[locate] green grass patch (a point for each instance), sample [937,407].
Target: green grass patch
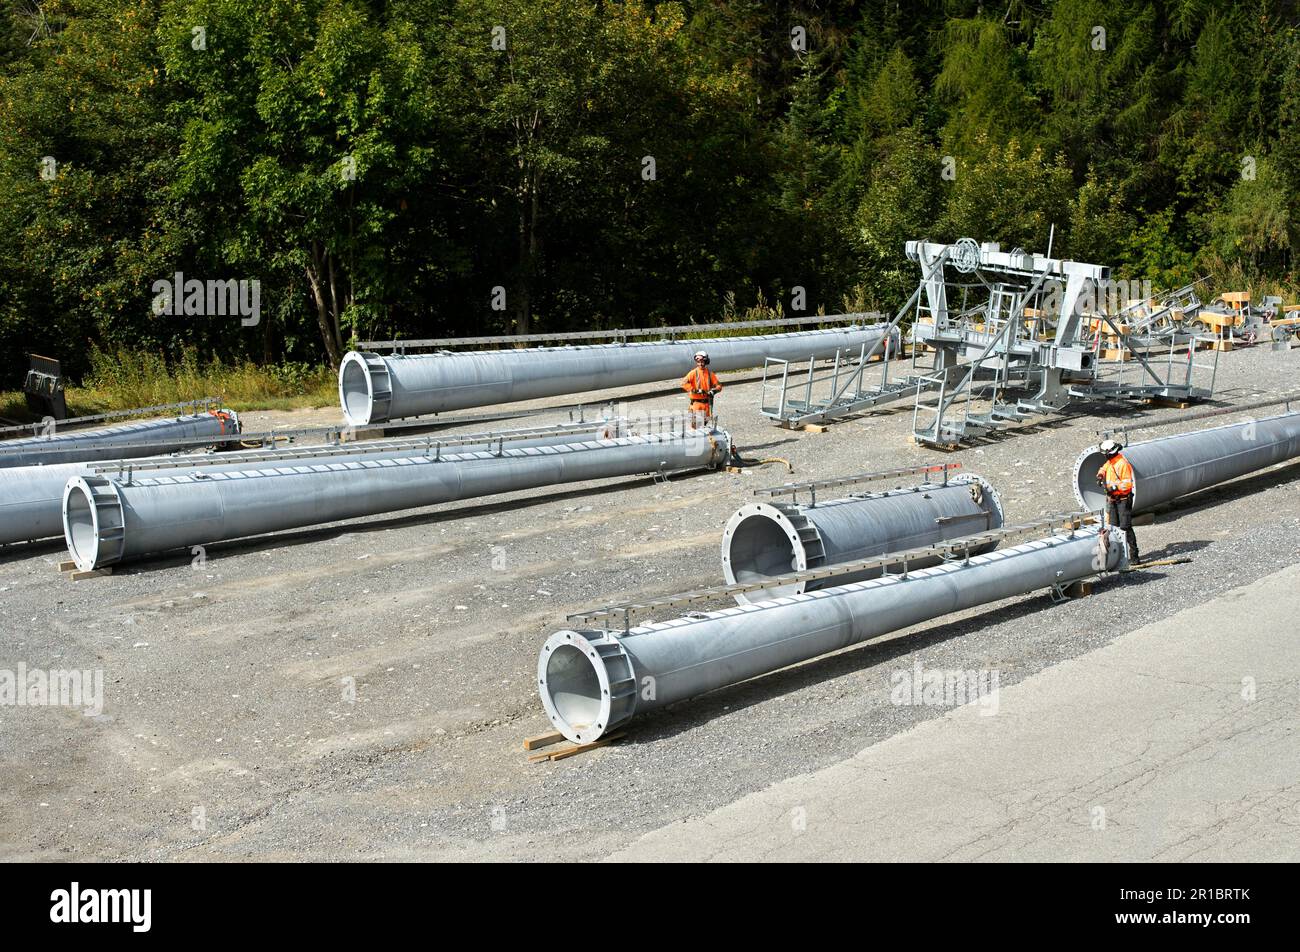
[124,379]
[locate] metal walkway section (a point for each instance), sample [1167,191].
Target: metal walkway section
[855,381]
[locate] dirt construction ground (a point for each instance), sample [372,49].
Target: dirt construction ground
[229,730]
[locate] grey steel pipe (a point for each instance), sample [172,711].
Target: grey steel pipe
[1172,466]
[31,500]
[146,438]
[31,497]
[373,389]
[762,540]
[107,519]
[593,681]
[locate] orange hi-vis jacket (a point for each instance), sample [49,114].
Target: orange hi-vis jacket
[698,383]
[1118,476]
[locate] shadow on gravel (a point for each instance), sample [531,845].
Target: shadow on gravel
[169,560]
[993,437]
[686,715]
[1107,411]
[1245,486]
[17,551]
[1175,549]
[751,447]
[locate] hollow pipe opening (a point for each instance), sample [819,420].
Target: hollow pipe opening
[80,524]
[574,686]
[758,543]
[356,395]
[1091,496]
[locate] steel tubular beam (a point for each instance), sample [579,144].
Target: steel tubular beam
[109,519]
[593,681]
[688,330]
[31,497]
[763,540]
[146,438]
[1172,466]
[373,389]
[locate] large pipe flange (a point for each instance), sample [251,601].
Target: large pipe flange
[587,684]
[93,524]
[1091,497]
[365,388]
[763,539]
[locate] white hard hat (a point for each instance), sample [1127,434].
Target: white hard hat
[1110,447]
[701,353]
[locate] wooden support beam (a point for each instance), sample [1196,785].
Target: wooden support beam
[543,740]
[96,573]
[572,750]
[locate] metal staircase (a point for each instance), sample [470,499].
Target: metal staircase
[848,386]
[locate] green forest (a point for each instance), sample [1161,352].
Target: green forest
[435,168]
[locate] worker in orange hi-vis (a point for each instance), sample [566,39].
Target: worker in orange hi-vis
[702,384]
[1116,477]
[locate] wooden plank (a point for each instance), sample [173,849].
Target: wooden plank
[362,435]
[78,576]
[67,566]
[543,740]
[1145,565]
[574,749]
[815,428]
[583,748]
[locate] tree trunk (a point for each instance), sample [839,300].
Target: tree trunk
[267,350]
[523,305]
[327,317]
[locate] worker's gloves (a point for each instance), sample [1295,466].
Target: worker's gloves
[1101,483]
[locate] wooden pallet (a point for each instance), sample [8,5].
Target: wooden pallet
[361,436]
[570,750]
[69,569]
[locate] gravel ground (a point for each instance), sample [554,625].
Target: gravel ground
[229,730]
